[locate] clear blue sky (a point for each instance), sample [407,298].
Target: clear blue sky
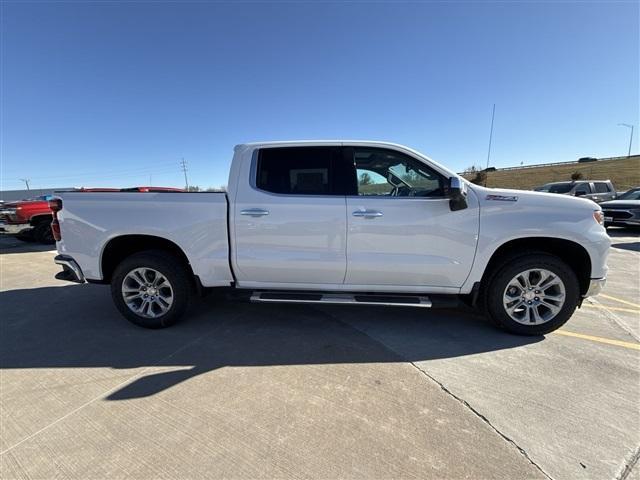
[105,94]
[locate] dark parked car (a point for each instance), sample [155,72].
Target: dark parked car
[596,190]
[624,211]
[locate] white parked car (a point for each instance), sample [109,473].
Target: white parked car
[339,222]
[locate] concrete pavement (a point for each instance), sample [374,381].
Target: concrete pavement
[285,391]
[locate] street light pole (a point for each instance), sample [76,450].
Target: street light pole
[493,114]
[630,137]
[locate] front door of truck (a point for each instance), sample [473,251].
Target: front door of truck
[401,230]
[290,222]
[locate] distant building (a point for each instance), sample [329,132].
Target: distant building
[13,195]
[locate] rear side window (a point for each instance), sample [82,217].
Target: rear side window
[300,171]
[583,188]
[602,187]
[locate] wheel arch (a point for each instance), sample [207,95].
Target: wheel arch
[41,217]
[572,253]
[121,247]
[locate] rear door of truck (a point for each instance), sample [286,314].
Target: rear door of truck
[289,217]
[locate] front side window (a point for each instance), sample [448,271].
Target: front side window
[601,187]
[382,172]
[559,188]
[299,170]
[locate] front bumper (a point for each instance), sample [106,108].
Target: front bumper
[622,223]
[71,270]
[621,217]
[595,287]
[14,228]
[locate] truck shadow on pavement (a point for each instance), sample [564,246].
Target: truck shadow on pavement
[10,245]
[77,326]
[631,246]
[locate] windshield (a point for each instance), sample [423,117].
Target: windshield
[630,195]
[558,188]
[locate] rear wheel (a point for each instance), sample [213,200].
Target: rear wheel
[532,294]
[151,289]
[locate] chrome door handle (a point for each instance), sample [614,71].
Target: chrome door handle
[367,213]
[254,212]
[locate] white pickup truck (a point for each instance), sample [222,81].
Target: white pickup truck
[338,222]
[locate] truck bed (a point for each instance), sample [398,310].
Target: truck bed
[197,222]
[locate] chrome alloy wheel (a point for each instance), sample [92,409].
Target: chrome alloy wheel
[147,292]
[534,297]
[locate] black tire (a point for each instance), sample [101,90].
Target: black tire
[173,270]
[26,236]
[43,233]
[507,270]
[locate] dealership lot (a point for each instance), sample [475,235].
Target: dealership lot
[264,391]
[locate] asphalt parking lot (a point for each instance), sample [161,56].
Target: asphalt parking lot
[289,391]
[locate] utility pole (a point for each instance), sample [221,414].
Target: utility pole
[26,182]
[493,114]
[630,138]
[183,164]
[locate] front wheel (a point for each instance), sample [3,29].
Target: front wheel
[532,294]
[43,233]
[151,289]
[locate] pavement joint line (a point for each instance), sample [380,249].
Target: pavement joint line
[613,318]
[460,400]
[466,404]
[110,390]
[609,341]
[628,466]
[616,299]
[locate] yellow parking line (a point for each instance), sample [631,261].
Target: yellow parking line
[609,341]
[607,307]
[620,300]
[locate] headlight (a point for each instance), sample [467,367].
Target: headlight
[598,216]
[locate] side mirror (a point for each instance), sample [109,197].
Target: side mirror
[580,193]
[457,193]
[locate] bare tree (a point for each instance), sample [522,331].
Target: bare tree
[365,179]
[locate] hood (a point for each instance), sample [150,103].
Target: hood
[531,198]
[621,204]
[26,203]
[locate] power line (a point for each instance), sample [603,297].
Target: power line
[126,171]
[99,177]
[183,164]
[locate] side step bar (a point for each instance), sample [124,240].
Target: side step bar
[343,299]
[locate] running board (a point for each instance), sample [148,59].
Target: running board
[342,299]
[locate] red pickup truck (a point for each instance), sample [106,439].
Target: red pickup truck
[31,219]
[27,218]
